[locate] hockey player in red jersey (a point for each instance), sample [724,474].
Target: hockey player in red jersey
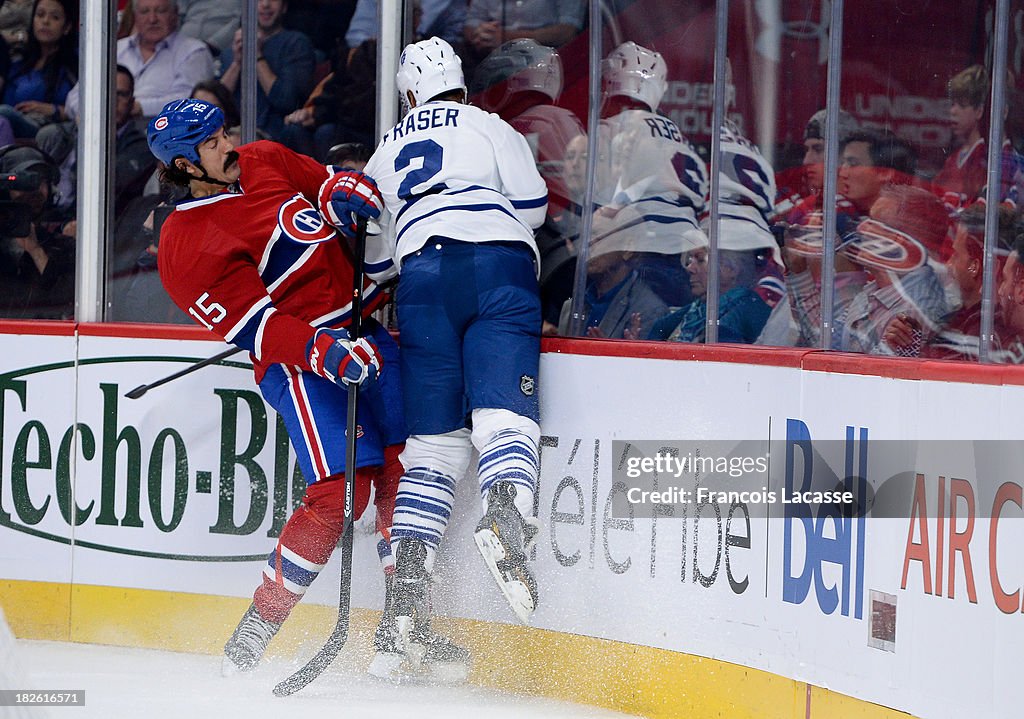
[250,256]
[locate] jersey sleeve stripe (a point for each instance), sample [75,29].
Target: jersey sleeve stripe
[244,331]
[269,251]
[380,271]
[283,260]
[754,220]
[258,342]
[529,204]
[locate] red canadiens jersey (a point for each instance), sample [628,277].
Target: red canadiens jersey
[261,267]
[548,130]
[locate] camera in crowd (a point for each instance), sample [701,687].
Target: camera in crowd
[25,170]
[16,217]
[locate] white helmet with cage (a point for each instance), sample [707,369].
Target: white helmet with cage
[429,68]
[636,72]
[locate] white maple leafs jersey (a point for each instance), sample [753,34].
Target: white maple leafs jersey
[644,157]
[746,180]
[455,171]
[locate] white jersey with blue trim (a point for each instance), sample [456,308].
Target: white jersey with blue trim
[746,177]
[644,157]
[455,171]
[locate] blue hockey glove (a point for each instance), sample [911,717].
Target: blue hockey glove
[334,356]
[348,195]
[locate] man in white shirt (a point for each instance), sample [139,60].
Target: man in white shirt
[166,64]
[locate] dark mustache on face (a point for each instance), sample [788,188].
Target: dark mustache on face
[230,159]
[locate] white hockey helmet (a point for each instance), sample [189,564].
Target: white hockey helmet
[636,72]
[522,65]
[429,68]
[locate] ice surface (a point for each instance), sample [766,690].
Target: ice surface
[125,682]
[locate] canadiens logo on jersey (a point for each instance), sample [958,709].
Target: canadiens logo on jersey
[878,245]
[298,219]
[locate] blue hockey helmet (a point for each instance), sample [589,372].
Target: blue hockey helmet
[180,126]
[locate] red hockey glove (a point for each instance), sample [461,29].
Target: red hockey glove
[334,356]
[348,195]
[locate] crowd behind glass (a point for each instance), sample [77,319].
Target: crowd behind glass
[627,230]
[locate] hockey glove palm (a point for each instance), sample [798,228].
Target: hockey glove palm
[348,195]
[333,355]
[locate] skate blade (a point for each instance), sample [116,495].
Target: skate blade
[400,669]
[516,593]
[229,669]
[411,651]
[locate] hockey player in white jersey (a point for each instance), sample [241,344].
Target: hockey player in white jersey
[647,164]
[463,197]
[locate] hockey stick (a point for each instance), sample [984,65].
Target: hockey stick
[329,652]
[143,388]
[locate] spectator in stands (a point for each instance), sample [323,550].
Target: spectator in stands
[15,24]
[431,18]
[959,336]
[616,298]
[799,192]
[343,109]
[5,60]
[324,22]
[1011,304]
[212,21]
[214,92]
[870,161]
[803,248]
[285,63]
[37,85]
[489,23]
[134,288]
[899,246]
[164,63]
[965,173]
[133,163]
[37,261]
[741,311]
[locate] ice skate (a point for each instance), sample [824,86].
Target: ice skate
[247,644]
[407,649]
[503,538]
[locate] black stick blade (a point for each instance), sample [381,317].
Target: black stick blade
[315,666]
[137,392]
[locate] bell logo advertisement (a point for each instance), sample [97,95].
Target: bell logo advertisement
[830,533]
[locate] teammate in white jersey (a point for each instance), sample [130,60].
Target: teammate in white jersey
[463,197]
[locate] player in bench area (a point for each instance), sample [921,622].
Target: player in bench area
[253,255]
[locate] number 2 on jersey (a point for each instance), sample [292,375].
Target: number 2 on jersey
[432,154]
